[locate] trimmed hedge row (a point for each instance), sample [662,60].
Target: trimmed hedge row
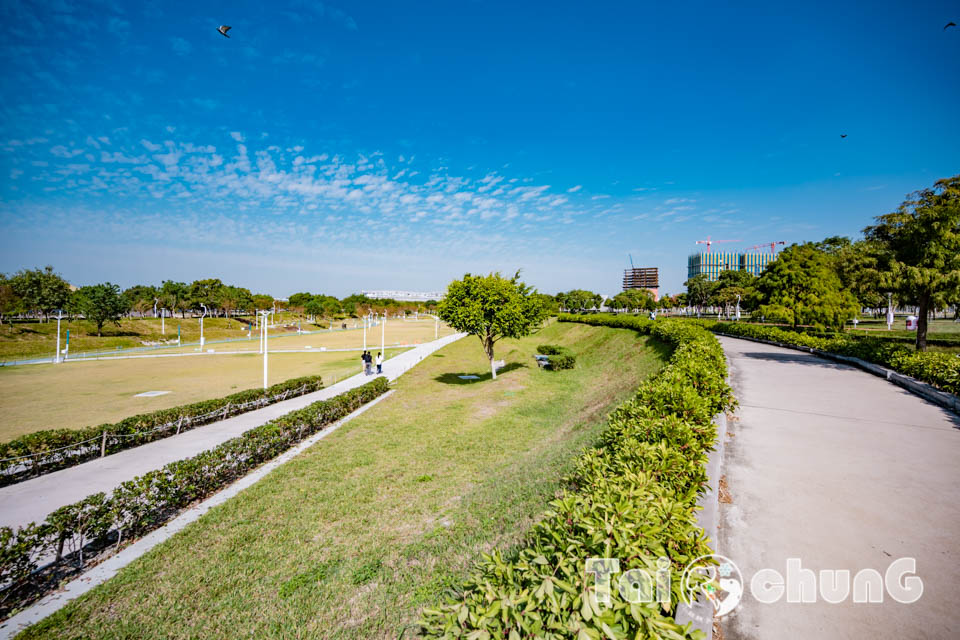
[560,357]
[55,449]
[631,497]
[146,502]
[942,370]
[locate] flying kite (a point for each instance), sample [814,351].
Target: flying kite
[843,135]
[223,30]
[948,25]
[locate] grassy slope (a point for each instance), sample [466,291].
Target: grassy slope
[351,538]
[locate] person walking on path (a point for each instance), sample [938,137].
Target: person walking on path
[379,362]
[363,359]
[368,360]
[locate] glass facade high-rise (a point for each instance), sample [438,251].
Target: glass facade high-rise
[713,263]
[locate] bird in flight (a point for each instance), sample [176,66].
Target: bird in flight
[948,25]
[843,135]
[223,30]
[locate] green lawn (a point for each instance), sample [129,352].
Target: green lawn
[353,537]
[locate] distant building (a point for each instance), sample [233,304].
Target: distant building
[712,263]
[643,278]
[405,296]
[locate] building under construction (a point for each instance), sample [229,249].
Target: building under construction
[712,264]
[642,278]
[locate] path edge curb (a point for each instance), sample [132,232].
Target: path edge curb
[924,390]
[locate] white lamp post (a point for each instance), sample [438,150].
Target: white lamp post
[889,311]
[201,324]
[56,358]
[265,349]
[738,307]
[383,332]
[436,327]
[364,333]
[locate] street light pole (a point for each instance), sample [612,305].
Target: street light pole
[265,352]
[889,311]
[364,333]
[383,333]
[59,317]
[201,324]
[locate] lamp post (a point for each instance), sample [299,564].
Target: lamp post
[59,317]
[163,322]
[201,324]
[738,307]
[889,311]
[436,327]
[364,333]
[263,332]
[383,332]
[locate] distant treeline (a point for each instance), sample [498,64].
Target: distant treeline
[42,292]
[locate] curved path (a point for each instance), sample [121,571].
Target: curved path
[33,500]
[843,470]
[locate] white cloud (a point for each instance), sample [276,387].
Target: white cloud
[575,189]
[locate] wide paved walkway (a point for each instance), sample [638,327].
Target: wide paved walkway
[843,470]
[33,500]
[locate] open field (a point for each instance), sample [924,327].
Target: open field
[80,394]
[23,340]
[353,537]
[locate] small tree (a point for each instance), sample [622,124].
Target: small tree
[42,290]
[919,246]
[492,308]
[699,291]
[102,303]
[9,301]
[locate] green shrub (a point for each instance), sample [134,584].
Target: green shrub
[142,504]
[632,497]
[55,449]
[942,370]
[560,357]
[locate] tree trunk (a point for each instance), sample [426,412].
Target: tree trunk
[488,349]
[922,313]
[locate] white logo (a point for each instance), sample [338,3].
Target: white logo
[718,579]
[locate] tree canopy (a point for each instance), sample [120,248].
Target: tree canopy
[918,249]
[102,303]
[800,287]
[491,307]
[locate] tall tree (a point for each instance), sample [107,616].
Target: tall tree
[42,290]
[581,300]
[141,298]
[492,308]
[175,296]
[800,287]
[205,292]
[919,249]
[102,303]
[699,291]
[9,300]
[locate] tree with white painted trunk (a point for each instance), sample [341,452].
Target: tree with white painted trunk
[491,307]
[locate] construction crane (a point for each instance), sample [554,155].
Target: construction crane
[709,242]
[631,261]
[772,245]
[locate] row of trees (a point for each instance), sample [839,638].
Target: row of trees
[912,255]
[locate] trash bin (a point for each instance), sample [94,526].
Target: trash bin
[911,323]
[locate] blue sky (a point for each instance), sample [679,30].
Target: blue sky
[378,145]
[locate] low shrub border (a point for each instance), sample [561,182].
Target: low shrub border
[560,357]
[942,370]
[41,452]
[631,497]
[146,502]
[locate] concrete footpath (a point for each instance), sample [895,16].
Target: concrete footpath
[33,500]
[844,471]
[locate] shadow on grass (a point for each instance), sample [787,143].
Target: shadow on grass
[454,378]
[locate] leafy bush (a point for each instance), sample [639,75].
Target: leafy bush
[560,357]
[632,497]
[146,502]
[55,449]
[942,370]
